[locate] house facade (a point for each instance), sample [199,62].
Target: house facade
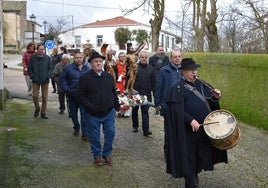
[102,32]
[14,24]
[17,30]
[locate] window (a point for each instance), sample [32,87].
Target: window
[162,39]
[173,43]
[78,41]
[99,40]
[167,42]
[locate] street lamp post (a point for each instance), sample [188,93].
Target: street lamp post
[45,26]
[33,18]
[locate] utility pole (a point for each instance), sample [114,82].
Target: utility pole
[2,88]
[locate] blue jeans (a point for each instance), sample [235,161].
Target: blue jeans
[144,116]
[73,105]
[93,125]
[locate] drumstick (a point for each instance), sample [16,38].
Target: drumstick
[208,123]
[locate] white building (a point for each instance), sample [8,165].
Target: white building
[102,32]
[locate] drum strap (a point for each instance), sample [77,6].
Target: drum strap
[198,94]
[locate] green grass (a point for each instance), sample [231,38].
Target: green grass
[242,78]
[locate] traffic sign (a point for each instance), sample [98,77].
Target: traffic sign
[49,44]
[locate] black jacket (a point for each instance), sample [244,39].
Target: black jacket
[157,62]
[40,69]
[97,94]
[145,81]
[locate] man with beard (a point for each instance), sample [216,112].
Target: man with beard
[158,60]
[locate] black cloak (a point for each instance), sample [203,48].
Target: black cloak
[177,154]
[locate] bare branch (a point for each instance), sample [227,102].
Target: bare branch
[131,10]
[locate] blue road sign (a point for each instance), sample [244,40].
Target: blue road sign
[49,44]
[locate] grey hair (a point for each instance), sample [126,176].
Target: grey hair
[65,56]
[143,52]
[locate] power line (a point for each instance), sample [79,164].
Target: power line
[89,6]
[76,5]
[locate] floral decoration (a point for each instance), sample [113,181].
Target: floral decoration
[126,101]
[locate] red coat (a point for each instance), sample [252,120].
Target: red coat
[25,61]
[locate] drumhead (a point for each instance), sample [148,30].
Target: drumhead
[219,124]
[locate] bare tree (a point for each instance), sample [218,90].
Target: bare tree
[198,22]
[185,8]
[260,15]
[254,13]
[158,8]
[231,33]
[55,30]
[156,22]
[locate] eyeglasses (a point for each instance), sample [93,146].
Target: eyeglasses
[144,57]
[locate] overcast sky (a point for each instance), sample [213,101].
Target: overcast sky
[78,12]
[87,11]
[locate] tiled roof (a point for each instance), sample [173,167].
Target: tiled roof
[117,21]
[12,6]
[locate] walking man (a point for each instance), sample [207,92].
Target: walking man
[69,79]
[40,71]
[97,95]
[167,76]
[56,76]
[145,85]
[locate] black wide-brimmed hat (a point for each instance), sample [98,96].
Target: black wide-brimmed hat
[95,55]
[189,64]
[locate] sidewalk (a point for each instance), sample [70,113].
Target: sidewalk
[43,153]
[14,80]
[12,61]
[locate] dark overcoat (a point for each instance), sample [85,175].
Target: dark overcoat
[180,161]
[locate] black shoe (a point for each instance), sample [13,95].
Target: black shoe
[44,116]
[36,113]
[84,136]
[69,115]
[76,132]
[147,133]
[135,130]
[61,112]
[54,91]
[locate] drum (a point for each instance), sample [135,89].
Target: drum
[222,130]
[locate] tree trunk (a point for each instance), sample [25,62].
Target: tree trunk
[211,28]
[199,20]
[159,8]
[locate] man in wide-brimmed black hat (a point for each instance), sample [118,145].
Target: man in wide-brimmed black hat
[97,95]
[189,150]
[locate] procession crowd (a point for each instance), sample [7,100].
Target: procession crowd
[89,87]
